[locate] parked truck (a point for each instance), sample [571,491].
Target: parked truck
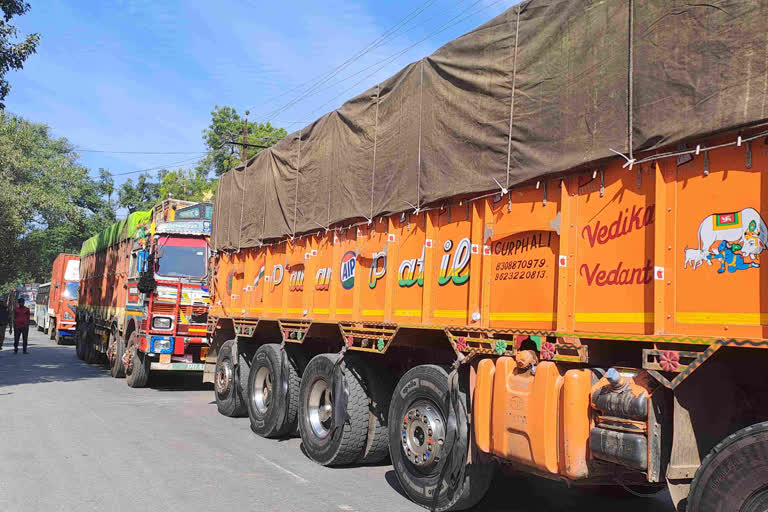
[542,247]
[143,304]
[56,302]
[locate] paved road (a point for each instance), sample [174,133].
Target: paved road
[74,439]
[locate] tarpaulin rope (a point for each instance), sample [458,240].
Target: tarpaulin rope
[296,195]
[512,102]
[242,207]
[630,81]
[421,98]
[264,217]
[375,141]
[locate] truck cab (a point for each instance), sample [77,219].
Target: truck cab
[167,301]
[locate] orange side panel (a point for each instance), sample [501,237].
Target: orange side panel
[482,404]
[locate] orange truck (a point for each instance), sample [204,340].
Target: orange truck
[143,304]
[56,308]
[540,248]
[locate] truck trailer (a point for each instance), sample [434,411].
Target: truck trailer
[56,307]
[541,248]
[143,304]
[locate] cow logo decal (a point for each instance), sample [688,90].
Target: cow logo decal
[348,263]
[733,240]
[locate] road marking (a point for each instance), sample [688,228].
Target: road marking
[281,468]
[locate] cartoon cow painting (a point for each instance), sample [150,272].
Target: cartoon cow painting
[735,239]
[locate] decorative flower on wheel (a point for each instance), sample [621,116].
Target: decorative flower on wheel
[669,361]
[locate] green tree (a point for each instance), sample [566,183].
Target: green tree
[13,53]
[138,196]
[227,126]
[186,185]
[50,204]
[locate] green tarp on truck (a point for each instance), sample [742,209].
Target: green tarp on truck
[115,233]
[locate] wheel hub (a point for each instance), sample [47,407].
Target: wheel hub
[423,434]
[262,389]
[223,377]
[320,407]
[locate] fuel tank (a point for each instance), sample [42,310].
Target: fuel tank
[537,416]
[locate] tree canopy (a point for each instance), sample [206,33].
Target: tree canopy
[13,52]
[226,127]
[50,204]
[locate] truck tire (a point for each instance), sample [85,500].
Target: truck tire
[137,367]
[51,328]
[273,413]
[91,354]
[323,442]
[416,415]
[226,384]
[734,475]
[115,353]
[378,388]
[80,343]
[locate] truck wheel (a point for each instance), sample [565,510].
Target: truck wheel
[734,475]
[137,364]
[417,429]
[378,388]
[115,353]
[52,328]
[324,442]
[273,412]
[79,343]
[91,354]
[226,384]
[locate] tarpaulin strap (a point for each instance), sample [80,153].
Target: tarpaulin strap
[375,141]
[630,79]
[242,207]
[421,97]
[296,195]
[512,101]
[454,464]
[229,217]
[264,217]
[340,392]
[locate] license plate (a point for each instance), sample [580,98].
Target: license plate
[203,353]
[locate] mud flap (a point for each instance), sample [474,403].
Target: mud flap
[455,462]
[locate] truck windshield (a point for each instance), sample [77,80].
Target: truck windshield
[183,260]
[70,292]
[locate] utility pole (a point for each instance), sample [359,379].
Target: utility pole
[245,137]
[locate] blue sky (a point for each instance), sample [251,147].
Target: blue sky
[143,75]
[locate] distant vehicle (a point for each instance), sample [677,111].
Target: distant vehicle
[58,320]
[41,306]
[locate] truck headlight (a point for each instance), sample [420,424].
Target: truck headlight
[162,345]
[68,316]
[161,322]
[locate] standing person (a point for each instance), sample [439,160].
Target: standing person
[3,322]
[20,326]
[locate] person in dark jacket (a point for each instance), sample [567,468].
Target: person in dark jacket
[20,326]
[3,322]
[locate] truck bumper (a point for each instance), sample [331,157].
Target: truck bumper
[179,367]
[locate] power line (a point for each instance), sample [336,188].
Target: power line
[78,150]
[386,61]
[360,53]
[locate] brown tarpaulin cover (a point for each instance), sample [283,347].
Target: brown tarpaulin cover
[545,87]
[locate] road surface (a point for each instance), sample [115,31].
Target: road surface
[74,439]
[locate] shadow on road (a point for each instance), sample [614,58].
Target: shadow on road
[178,381]
[44,364]
[510,493]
